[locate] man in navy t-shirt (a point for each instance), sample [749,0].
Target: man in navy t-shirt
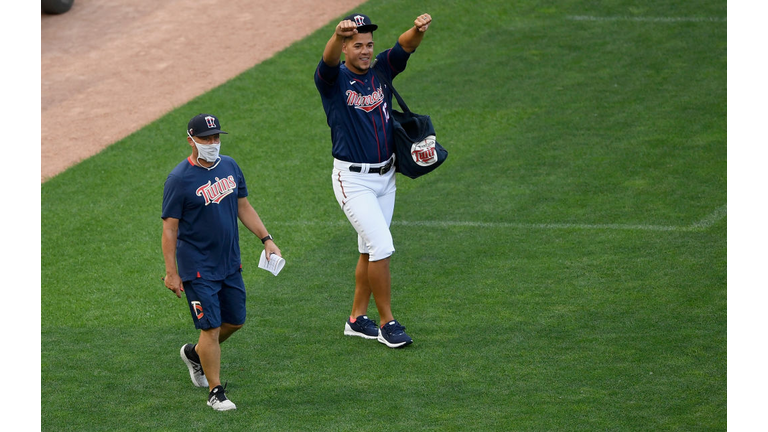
[202,200]
[358,108]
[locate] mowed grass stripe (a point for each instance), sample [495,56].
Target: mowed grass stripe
[647,19]
[701,225]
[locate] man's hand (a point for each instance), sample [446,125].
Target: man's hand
[422,22]
[173,283]
[346,28]
[271,248]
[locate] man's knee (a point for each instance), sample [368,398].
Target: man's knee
[211,333]
[381,253]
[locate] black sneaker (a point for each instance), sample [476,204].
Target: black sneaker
[362,327]
[392,334]
[195,368]
[218,400]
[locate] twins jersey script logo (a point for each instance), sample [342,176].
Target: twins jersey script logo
[366,103]
[215,192]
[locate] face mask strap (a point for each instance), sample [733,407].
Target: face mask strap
[218,159]
[193,139]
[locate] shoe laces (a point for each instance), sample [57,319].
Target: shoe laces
[220,395]
[395,329]
[364,322]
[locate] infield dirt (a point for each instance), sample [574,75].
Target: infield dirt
[110,67]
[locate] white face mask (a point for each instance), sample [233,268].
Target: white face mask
[207,152]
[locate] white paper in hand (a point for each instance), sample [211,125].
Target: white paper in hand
[274,265]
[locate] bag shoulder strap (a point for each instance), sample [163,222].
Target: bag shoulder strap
[383,79]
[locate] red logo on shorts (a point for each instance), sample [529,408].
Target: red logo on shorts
[198,309]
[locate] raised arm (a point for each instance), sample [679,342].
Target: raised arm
[412,37]
[332,52]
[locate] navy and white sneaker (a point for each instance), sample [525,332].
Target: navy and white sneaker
[196,373]
[362,327]
[392,334]
[218,400]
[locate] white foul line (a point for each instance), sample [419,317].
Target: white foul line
[711,219]
[647,19]
[701,225]
[447,224]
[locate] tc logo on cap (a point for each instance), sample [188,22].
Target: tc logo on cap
[362,22]
[359,20]
[204,125]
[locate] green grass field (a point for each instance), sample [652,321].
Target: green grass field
[565,269]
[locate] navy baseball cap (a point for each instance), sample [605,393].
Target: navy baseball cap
[364,24]
[204,125]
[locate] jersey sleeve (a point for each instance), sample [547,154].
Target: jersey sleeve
[242,189]
[326,76]
[173,199]
[396,58]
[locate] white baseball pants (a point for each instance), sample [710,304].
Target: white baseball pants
[368,200]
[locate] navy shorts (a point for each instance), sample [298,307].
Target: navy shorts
[214,302]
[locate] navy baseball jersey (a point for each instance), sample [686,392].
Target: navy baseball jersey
[358,107]
[205,203]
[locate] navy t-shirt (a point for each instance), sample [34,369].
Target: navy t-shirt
[205,203]
[358,107]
